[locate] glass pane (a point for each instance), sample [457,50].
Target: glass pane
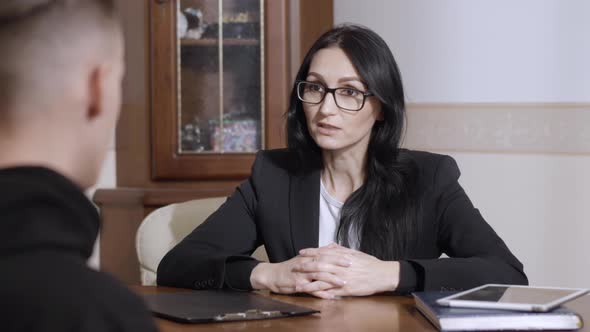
[221,91]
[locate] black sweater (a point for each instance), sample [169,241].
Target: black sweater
[48,228]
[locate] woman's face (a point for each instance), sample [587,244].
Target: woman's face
[333,128]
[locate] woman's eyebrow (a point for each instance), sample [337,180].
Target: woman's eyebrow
[311,73]
[350,79]
[340,80]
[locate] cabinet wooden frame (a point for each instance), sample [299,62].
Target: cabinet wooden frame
[167,163]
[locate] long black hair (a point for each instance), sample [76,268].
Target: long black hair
[383,212]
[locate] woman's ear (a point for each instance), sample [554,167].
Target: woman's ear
[380,116]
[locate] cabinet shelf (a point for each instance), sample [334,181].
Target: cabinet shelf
[215,42]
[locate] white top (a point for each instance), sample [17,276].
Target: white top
[330,219]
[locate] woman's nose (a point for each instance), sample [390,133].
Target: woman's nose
[328,105]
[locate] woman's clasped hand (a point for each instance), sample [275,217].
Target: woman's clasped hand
[328,272]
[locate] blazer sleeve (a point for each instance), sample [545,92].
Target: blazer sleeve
[217,253]
[477,255]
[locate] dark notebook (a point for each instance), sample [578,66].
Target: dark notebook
[219,306]
[463,319]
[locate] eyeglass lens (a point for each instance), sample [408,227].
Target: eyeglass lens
[346,98]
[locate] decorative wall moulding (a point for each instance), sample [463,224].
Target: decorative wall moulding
[500,128]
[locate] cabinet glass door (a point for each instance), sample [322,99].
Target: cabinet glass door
[220,77]
[219,82]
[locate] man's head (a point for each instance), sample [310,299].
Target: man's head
[61,66]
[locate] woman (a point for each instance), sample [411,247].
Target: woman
[344,179]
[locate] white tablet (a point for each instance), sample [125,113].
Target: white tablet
[512,297]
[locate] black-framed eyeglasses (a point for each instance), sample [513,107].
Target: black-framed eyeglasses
[349,99]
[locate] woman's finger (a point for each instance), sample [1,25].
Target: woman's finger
[344,257]
[326,295]
[338,260]
[287,290]
[315,286]
[308,252]
[329,278]
[340,292]
[326,250]
[327,263]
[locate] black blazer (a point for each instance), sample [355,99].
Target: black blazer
[278,207]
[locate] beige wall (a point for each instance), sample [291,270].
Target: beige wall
[504,87]
[107,179]
[538,203]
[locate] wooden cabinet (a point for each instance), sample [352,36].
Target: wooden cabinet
[216,97]
[199,99]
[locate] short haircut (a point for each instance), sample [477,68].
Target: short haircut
[43,42]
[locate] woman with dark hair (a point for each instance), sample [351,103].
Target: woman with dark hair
[344,211]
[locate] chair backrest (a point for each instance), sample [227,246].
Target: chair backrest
[165,227]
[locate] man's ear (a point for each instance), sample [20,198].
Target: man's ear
[94,94]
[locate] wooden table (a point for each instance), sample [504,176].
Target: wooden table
[373,313]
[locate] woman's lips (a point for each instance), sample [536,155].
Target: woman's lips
[327,129]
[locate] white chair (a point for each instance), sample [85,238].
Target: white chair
[162,229]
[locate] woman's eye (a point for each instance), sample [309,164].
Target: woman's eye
[316,88]
[349,92]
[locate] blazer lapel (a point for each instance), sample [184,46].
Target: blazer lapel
[304,210]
